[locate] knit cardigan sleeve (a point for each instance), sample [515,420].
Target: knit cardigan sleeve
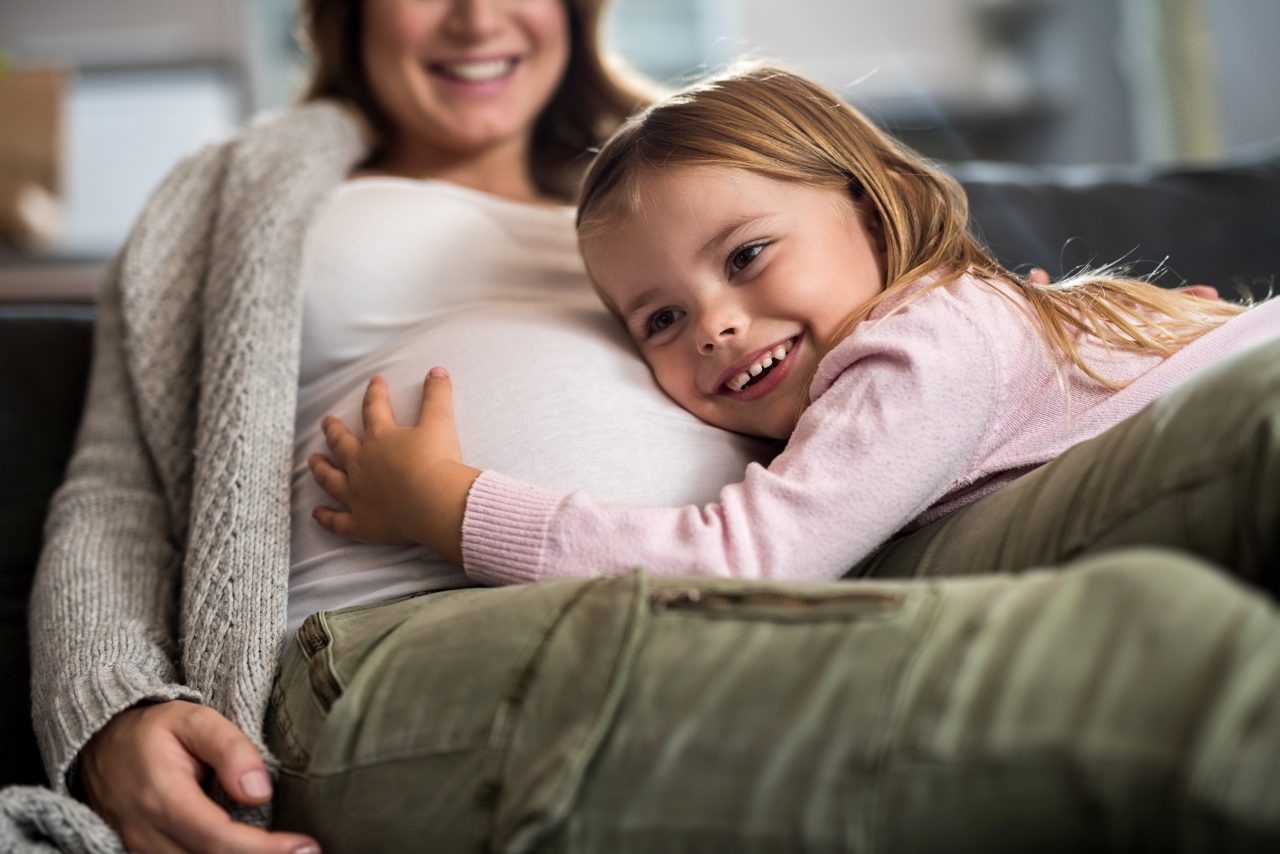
[104,600]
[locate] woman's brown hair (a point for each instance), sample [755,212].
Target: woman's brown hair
[778,124]
[596,94]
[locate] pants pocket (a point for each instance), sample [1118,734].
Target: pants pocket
[314,639]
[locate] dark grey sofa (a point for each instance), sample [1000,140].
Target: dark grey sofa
[1218,226]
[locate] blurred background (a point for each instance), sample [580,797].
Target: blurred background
[99,98]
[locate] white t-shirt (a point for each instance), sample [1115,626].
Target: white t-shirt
[400,275]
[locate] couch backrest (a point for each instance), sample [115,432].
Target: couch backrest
[1217,226]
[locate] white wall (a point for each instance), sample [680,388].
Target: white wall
[1247,35]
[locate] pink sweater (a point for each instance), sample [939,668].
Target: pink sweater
[916,413]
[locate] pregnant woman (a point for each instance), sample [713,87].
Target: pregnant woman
[412,212]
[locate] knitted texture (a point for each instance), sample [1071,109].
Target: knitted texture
[35,819]
[166,564]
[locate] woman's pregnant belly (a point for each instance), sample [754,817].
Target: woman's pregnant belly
[552,394]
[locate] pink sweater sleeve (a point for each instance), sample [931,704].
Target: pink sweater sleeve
[909,402]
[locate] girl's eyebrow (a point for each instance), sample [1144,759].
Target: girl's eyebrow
[733,225]
[640,302]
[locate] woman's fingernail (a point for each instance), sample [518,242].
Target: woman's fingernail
[256,784]
[439,373]
[306,848]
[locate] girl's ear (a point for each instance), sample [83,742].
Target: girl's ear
[871,223]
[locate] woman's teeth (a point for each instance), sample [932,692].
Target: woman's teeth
[476,72]
[757,369]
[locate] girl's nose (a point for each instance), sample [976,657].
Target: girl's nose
[714,334]
[711,342]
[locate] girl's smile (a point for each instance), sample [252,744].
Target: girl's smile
[760,373]
[732,283]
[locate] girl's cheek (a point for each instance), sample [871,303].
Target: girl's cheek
[668,377]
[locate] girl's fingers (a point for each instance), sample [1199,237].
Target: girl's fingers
[341,441]
[332,479]
[437,397]
[335,521]
[376,409]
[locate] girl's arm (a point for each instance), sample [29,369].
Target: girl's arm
[889,439]
[903,420]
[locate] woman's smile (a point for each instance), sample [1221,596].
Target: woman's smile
[462,82]
[476,70]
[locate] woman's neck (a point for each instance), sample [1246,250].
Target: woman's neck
[500,171]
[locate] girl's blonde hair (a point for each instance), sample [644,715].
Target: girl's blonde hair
[595,95]
[778,124]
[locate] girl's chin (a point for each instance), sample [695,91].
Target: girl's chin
[762,423]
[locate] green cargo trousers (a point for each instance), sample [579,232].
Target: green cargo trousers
[1128,702]
[1126,698]
[1198,471]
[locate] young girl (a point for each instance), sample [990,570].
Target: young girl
[789,271]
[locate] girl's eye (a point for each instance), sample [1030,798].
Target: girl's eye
[743,257]
[662,319]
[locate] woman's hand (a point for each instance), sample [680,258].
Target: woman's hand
[401,484]
[142,774]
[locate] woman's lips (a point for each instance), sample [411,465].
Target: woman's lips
[475,75]
[767,381]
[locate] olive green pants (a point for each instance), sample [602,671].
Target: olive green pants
[1129,702]
[1126,700]
[1197,471]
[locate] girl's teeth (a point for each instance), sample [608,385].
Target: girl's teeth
[776,355]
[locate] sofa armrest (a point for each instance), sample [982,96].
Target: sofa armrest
[44,363]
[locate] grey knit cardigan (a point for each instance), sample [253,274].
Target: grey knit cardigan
[166,566]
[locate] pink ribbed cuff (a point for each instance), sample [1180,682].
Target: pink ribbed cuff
[505,529]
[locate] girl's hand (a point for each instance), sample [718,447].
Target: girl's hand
[400,484]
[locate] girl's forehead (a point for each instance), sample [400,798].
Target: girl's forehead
[682,201]
[659,196]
